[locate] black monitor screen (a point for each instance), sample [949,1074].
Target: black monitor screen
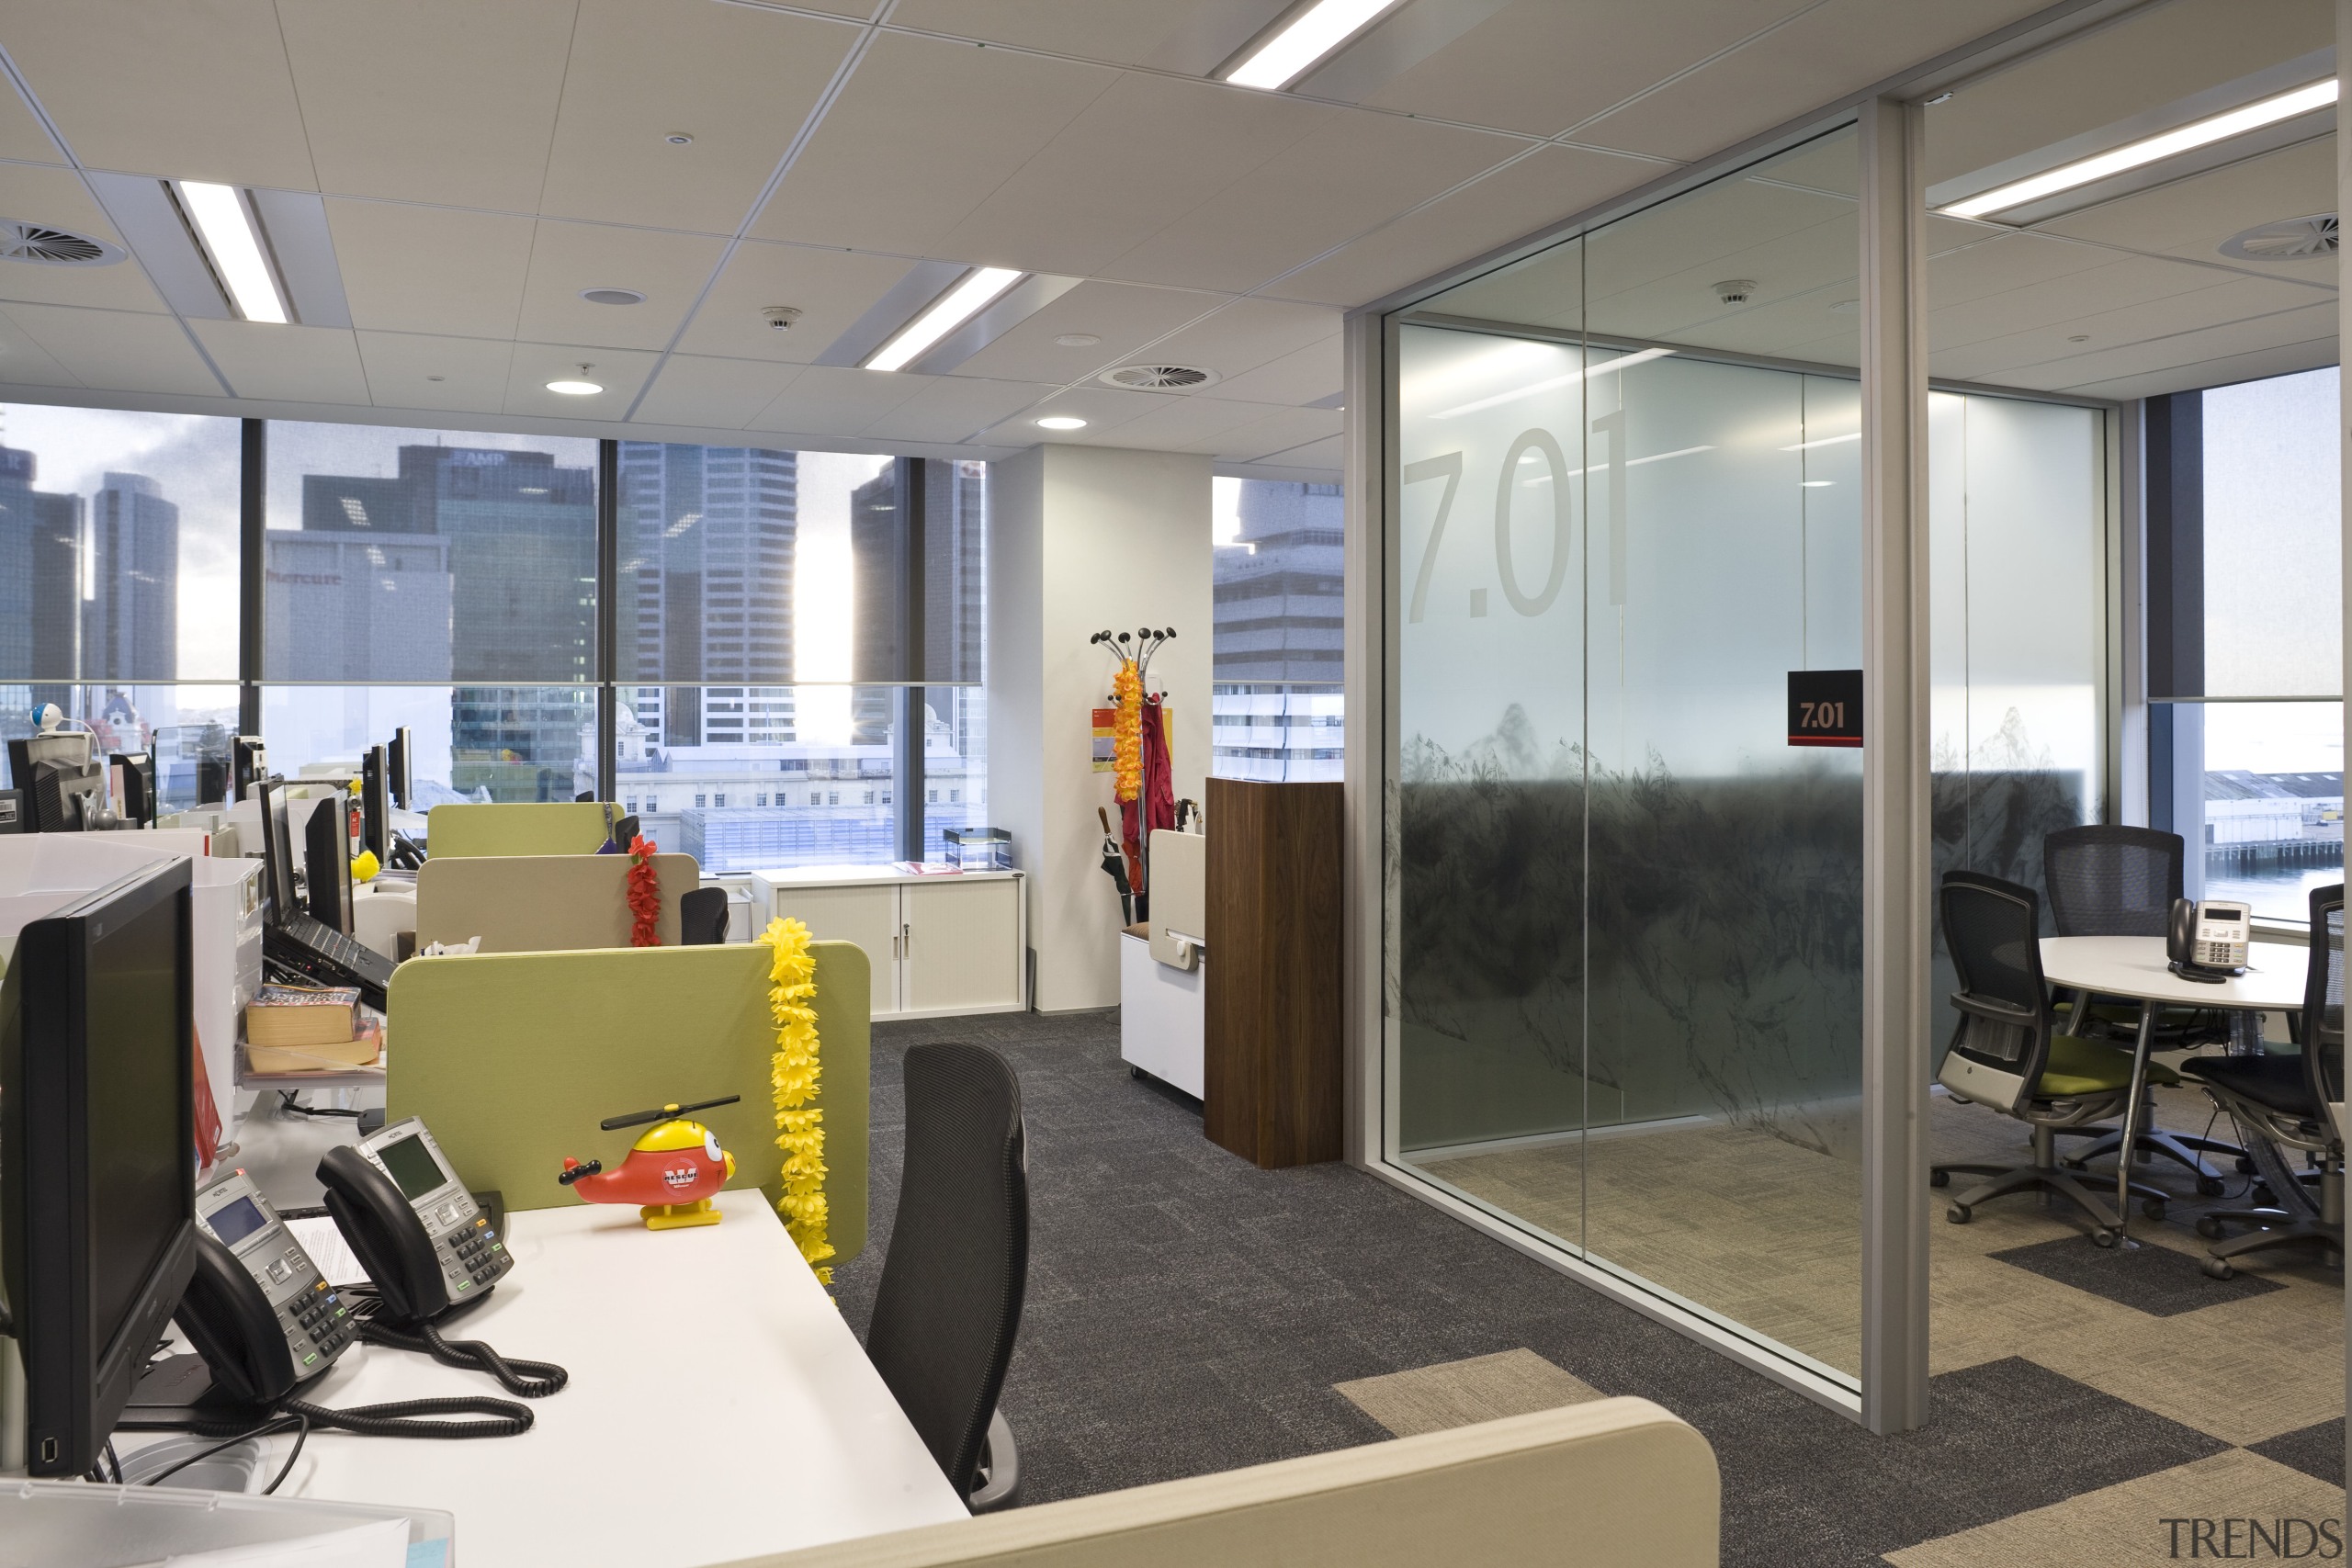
[235,1222]
[142,1167]
[278,856]
[412,1167]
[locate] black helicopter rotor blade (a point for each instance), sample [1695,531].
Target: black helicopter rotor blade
[639,1118]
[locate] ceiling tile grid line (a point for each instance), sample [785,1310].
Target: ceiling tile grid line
[800,143]
[1694,68]
[546,169]
[2003,230]
[25,91]
[286,58]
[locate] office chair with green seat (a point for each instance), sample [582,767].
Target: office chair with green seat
[2284,1097]
[2006,1053]
[2106,880]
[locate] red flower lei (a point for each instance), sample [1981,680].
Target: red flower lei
[644,894]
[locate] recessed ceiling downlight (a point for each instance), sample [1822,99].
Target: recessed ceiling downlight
[46,246]
[1159,378]
[2289,239]
[1061,421]
[612,296]
[579,387]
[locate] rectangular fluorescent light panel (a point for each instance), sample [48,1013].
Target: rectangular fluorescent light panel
[1312,34]
[222,223]
[950,311]
[1606,367]
[2132,156]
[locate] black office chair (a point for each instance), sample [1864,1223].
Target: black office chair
[949,1302]
[702,918]
[2284,1097]
[2115,881]
[2007,1055]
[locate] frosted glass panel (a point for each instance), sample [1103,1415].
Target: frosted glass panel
[2274,623]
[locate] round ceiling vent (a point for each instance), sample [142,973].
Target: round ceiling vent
[45,246]
[612,296]
[2289,239]
[1161,378]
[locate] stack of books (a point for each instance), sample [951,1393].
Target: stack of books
[300,1029]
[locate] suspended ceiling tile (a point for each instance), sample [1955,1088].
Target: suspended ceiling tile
[431,269]
[1546,185]
[25,363]
[2156,56]
[1824,50]
[737,79]
[1184,423]
[1992,268]
[1303,376]
[58,196]
[287,364]
[2212,356]
[195,92]
[1193,36]
[620,371]
[1322,460]
[446,101]
[1246,335]
[417,370]
[2139,334]
[724,394]
[2191,218]
[1275,431]
[1146,152]
[825,399]
[117,350]
[1106,409]
[832,288]
[1352,174]
[2259,364]
[953,408]
[668,268]
[2075,300]
[22,139]
[1125,316]
[950,123]
[1539,66]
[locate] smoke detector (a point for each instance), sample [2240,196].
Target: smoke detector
[1734,291]
[2289,239]
[1159,378]
[45,246]
[780,318]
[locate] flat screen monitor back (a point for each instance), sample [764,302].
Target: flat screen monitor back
[69,746]
[401,756]
[248,764]
[375,806]
[68,797]
[98,1139]
[326,860]
[281,902]
[136,786]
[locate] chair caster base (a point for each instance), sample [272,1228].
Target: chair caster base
[2210,1186]
[1939,1178]
[2217,1269]
[1959,1213]
[2102,1236]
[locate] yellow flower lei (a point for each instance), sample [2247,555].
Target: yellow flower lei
[1126,732]
[800,1132]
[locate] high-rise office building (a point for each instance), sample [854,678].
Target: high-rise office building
[130,621]
[707,537]
[357,608]
[1278,658]
[40,579]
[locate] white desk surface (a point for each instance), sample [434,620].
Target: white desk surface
[719,1407]
[2135,966]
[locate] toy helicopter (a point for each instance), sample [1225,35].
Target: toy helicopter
[670,1172]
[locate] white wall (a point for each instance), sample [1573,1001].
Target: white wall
[1082,538]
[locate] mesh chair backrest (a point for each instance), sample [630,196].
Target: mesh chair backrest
[2324,997]
[2109,881]
[949,1302]
[702,918]
[1992,930]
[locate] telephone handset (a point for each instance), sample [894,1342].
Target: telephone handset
[257,1310]
[2207,942]
[423,1239]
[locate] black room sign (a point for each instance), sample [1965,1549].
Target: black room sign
[1825,707]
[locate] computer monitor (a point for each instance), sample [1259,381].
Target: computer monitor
[402,757]
[280,899]
[326,861]
[71,747]
[68,797]
[248,764]
[134,780]
[375,803]
[212,782]
[97,1153]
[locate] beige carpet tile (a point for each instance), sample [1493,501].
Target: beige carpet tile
[1463,1393]
[2217,1502]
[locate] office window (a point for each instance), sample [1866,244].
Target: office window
[699,800]
[184,729]
[1276,703]
[473,743]
[2271,770]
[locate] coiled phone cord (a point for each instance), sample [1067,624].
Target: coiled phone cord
[528,1379]
[400,1419]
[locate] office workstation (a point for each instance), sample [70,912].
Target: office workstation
[1391,781]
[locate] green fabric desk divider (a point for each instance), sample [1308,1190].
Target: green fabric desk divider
[543,903]
[512,1059]
[521,828]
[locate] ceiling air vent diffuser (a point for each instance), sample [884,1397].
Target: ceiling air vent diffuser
[45,246]
[1159,378]
[2289,239]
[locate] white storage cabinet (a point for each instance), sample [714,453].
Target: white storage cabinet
[939,946]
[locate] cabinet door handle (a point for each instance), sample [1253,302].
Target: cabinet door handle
[906,939]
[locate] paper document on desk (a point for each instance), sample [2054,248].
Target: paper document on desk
[383,1544]
[337,1264]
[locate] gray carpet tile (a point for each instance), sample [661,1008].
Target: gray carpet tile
[1189,1313]
[2317,1451]
[2158,1281]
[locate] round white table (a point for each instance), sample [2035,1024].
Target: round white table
[2135,966]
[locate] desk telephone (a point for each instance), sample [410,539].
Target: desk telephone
[2207,942]
[425,1242]
[257,1310]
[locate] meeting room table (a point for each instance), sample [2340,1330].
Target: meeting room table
[2136,967]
